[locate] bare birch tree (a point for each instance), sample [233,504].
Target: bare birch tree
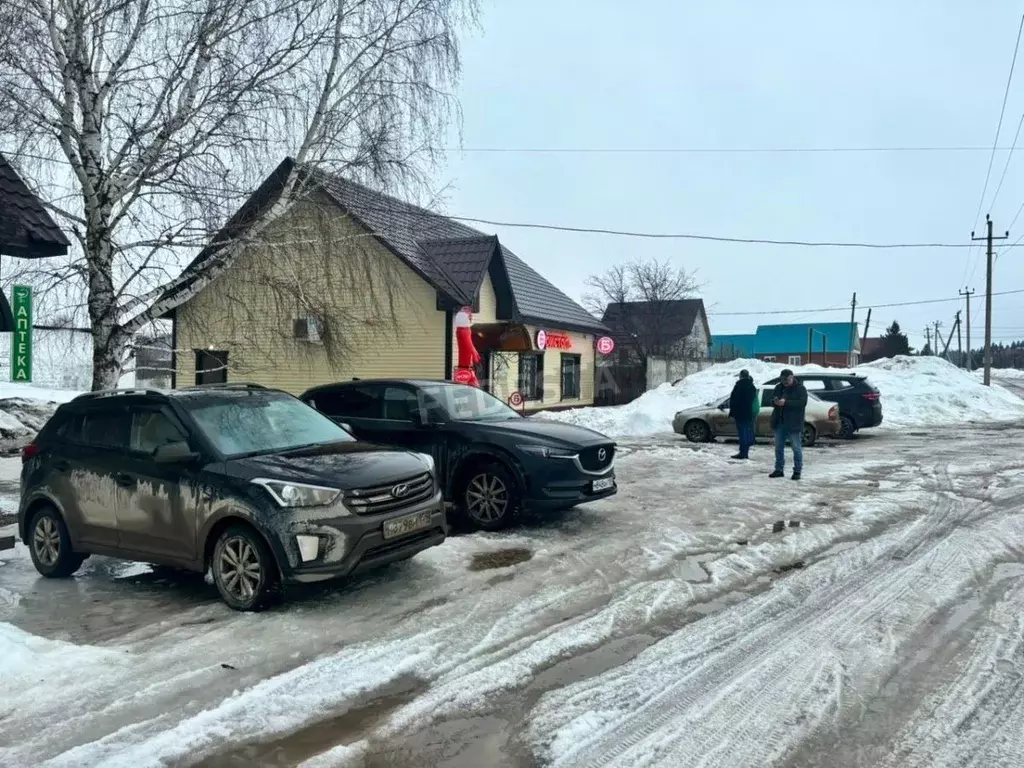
[645,293]
[161,116]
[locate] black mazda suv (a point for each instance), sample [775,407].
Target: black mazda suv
[248,482]
[492,462]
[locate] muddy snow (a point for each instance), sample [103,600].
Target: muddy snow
[677,623]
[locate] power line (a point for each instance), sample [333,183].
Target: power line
[847,308]
[691,236]
[995,144]
[708,150]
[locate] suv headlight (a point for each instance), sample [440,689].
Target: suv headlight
[547,453]
[298,494]
[428,460]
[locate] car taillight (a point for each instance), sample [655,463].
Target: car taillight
[28,452]
[871,395]
[833,413]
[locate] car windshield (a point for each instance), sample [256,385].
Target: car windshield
[254,422]
[464,403]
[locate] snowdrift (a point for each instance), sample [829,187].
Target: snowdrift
[24,409]
[916,392]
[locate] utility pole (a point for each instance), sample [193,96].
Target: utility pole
[853,331]
[928,336]
[970,353]
[949,339]
[938,338]
[987,381]
[959,342]
[864,338]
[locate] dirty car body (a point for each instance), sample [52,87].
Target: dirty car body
[245,480]
[706,422]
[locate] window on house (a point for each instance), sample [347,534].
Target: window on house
[571,365]
[211,367]
[769,358]
[794,359]
[307,328]
[531,376]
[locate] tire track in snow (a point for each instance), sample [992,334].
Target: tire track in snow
[977,718]
[720,698]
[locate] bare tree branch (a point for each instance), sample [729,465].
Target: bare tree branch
[162,116]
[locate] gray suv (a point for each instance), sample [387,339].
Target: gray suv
[248,482]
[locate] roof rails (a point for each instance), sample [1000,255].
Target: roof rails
[117,392]
[226,385]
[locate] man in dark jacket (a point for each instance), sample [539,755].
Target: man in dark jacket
[744,403]
[790,401]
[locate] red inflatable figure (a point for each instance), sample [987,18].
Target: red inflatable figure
[465,372]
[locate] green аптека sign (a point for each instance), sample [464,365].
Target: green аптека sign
[21,339]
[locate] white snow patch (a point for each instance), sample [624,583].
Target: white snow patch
[273,707]
[30,663]
[342,756]
[916,392]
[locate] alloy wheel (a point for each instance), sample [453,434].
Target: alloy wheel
[46,541]
[486,498]
[240,569]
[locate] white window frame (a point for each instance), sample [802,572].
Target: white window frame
[795,360]
[769,358]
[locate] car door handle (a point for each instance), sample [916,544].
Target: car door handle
[125,481]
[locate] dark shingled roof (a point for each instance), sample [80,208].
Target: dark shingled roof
[465,260]
[450,256]
[675,319]
[26,229]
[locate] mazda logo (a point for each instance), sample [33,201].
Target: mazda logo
[601,454]
[400,490]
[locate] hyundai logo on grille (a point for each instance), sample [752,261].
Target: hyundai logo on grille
[400,490]
[601,454]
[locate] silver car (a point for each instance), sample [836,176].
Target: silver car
[706,422]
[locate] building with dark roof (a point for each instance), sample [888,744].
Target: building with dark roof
[27,230]
[533,338]
[675,329]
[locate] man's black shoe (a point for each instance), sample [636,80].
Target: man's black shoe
[796,475]
[777,473]
[740,456]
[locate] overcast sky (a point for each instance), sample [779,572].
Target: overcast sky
[729,74]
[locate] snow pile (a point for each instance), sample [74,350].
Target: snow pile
[24,409]
[916,392]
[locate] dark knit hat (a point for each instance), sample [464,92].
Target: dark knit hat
[786,373]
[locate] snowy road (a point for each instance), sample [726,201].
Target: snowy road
[667,626]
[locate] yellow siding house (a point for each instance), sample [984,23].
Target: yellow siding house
[350,283]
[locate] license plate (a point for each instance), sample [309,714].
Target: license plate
[603,484]
[400,526]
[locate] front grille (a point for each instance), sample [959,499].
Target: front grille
[593,460]
[390,497]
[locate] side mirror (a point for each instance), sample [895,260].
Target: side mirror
[174,453]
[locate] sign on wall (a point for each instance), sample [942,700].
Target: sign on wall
[21,339]
[553,340]
[606,345]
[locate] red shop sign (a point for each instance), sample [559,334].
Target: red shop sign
[553,340]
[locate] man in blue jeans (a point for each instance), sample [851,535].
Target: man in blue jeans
[790,401]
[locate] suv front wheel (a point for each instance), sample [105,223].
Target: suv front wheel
[50,545]
[490,497]
[244,569]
